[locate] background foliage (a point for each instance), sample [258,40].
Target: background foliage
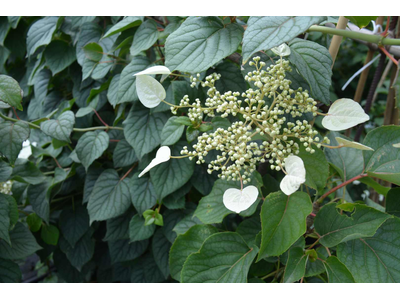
[77,210]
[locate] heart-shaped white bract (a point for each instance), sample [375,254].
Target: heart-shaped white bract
[154,71]
[239,200]
[344,114]
[163,154]
[296,175]
[346,143]
[150,91]
[282,50]
[396,145]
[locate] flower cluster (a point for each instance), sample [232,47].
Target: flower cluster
[273,125]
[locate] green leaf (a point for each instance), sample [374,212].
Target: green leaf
[89,32]
[74,223]
[223,257]
[348,162]
[384,162]
[91,146]
[335,228]
[23,244]
[295,266]
[283,221]
[60,128]
[14,20]
[183,120]
[249,229]
[93,52]
[173,174]
[124,24]
[337,271]
[142,130]
[361,21]
[211,208]
[161,246]
[186,244]
[123,250]
[50,234]
[112,92]
[172,132]
[78,21]
[81,253]
[118,228]
[142,193]
[317,167]
[11,137]
[264,33]
[374,259]
[145,270]
[10,91]
[138,231]
[9,272]
[200,42]
[393,202]
[231,78]
[4,219]
[41,85]
[124,155]
[5,171]
[41,33]
[313,62]
[145,36]
[39,198]
[110,197]
[27,172]
[34,222]
[126,85]
[59,55]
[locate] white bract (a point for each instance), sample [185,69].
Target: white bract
[239,200]
[344,114]
[346,143]
[154,70]
[163,154]
[150,91]
[282,50]
[296,175]
[396,145]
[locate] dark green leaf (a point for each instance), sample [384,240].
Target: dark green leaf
[11,137]
[123,250]
[124,24]
[59,55]
[74,223]
[40,33]
[144,37]
[295,266]
[124,155]
[93,52]
[91,146]
[34,222]
[60,128]
[10,91]
[393,202]
[171,132]
[161,246]
[50,234]
[9,272]
[337,272]
[138,231]
[142,193]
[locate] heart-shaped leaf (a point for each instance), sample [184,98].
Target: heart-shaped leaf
[344,114]
[296,175]
[61,128]
[163,154]
[238,200]
[150,91]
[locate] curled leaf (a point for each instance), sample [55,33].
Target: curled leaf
[346,143]
[344,114]
[154,70]
[239,200]
[163,154]
[296,175]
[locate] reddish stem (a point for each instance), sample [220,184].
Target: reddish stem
[312,214]
[116,141]
[340,186]
[101,120]
[387,27]
[127,173]
[389,55]
[15,112]
[58,164]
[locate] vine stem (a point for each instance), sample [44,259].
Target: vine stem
[340,186]
[127,173]
[375,39]
[101,120]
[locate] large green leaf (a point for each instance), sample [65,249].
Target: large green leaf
[10,91]
[81,253]
[264,33]
[145,37]
[173,174]
[223,257]
[200,42]
[118,228]
[59,55]
[142,193]
[161,246]
[127,82]
[123,250]
[9,272]
[186,244]
[41,33]
[110,197]
[124,155]
[377,258]
[384,162]
[231,78]
[337,271]
[313,62]
[27,172]
[361,21]
[23,243]
[283,221]
[91,146]
[11,137]
[60,128]
[145,270]
[335,228]
[124,24]
[171,132]
[5,221]
[138,231]
[296,265]
[74,223]
[142,130]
